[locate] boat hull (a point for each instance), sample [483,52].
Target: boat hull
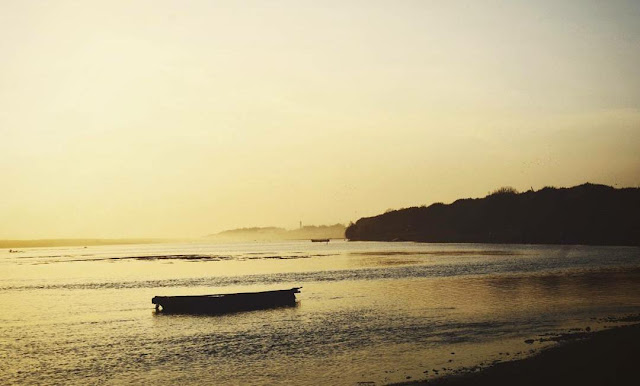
[225,303]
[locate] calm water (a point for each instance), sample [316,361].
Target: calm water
[368,312]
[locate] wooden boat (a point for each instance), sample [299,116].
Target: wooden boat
[225,303]
[320,240]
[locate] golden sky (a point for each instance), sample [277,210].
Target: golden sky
[184,118]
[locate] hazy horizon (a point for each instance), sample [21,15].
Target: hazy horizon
[128,240]
[46,241]
[167,119]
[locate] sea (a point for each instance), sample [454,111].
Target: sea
[369,313]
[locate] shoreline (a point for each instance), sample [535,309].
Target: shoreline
[606,357]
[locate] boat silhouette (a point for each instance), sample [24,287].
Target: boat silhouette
[225,303]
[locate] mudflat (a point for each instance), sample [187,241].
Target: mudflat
[608,357]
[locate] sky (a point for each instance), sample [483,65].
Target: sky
[184,118]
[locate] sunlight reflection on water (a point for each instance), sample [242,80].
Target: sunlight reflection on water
[367,312]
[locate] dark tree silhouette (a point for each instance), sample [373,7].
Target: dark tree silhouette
[586,214]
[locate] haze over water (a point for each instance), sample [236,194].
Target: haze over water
[172,119]
[378,312]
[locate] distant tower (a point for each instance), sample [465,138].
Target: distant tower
[300,224]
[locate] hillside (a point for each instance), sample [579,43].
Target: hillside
[585,214]
[272,233]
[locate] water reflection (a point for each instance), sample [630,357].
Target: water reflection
[374,311]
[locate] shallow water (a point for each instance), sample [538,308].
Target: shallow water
[368,312]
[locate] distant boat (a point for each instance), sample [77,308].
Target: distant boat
[320,240]
[225,303]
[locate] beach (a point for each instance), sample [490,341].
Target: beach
[453,187]
[368,312]
[607,357]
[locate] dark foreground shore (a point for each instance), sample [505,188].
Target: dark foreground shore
[609,357]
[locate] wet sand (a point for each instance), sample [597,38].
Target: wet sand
[608,357]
